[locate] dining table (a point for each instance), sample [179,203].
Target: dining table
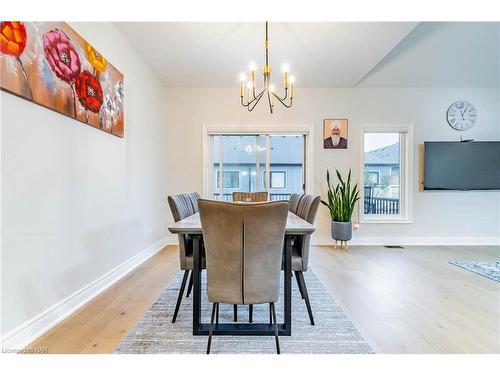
[191,225]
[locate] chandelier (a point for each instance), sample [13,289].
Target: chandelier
[249,96]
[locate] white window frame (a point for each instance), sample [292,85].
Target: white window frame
[406,167]
[271,129]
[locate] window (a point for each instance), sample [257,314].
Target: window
[244,159]
[231,179]
[387,167]
[277,180]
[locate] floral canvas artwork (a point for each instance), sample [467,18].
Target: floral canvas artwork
[49,64]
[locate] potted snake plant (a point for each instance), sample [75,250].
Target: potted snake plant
[341,202]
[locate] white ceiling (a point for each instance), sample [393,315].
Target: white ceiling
[442,54]
[334,54]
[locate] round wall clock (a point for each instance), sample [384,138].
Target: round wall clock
[461,115]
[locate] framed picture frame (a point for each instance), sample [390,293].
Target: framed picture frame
[335,133]
[50,64]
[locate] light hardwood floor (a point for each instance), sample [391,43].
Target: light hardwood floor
[402,301]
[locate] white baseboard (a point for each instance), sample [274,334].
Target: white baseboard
[172,239]
[25,334]
[415,241]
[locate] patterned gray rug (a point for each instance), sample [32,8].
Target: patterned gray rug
[334,332]
[491,270]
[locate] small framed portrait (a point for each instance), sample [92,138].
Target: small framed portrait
[335,133]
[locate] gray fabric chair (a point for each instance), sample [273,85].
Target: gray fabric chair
[243,246]
[193,197]
[307,207]
[182,206]
[260,196]
[294,202]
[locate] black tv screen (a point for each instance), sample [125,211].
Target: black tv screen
[462,166]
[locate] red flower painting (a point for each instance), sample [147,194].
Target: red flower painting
[61,55]
[12,38]
[12,43]
[50,64]
[89,91]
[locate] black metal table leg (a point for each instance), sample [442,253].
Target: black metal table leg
[288,287]
[196,285]
[244,329]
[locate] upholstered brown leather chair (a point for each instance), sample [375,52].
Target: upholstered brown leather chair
[260,196]
[243,247]
[182,206]
[307,207]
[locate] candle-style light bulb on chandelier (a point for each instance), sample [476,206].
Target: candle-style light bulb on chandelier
[249,96]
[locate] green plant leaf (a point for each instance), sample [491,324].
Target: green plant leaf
[341,198]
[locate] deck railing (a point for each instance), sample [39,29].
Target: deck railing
[228,197]
[373,205]
[377,206]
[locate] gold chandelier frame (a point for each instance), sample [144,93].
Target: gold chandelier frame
[250,98]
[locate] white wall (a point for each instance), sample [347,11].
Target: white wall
[78,202]
[436,214]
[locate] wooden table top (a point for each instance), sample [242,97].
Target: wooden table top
[192,225]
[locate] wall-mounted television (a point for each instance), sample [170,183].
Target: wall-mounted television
[462,166]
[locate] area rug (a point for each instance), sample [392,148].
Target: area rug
[334,332]
[491,270]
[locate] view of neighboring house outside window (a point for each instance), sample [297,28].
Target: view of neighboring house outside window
[278,180]
[231,179]
[244,165]
[382,173]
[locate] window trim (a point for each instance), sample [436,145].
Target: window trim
[217,178]
[406,161]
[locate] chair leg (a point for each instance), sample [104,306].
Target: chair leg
[211,328]
[250,313]
[276,337]
[300,276]
[179,297]
[235,313]
[217,315]
[190,285]
[299,285]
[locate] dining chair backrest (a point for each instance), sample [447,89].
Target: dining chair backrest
[294,202]
[260,196]
[194,200]
[243,249]
[307,209]
[182,206]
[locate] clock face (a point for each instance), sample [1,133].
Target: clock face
[461,115]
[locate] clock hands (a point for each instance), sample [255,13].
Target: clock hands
[465,110]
